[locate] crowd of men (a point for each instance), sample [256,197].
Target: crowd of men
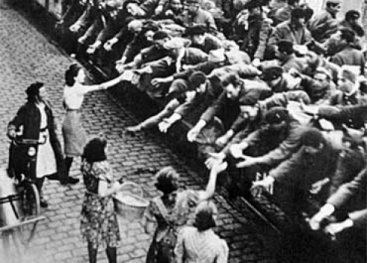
[278,91]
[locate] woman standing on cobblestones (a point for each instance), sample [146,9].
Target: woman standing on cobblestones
[35,121]
[74,135]
[173,210]
[99,225]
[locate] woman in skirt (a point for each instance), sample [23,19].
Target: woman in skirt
[35,121]
[99,225]
[74,135]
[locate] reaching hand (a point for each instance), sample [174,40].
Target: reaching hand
[236,151]
[256,62]
[323,213]
[266,184]
[249,161]
[92,48]
[335,228]
[193,134]
[108,45]
[214,159]
[157,82]
[12,134]
[120,67]
[219,167]
[222,141]
[164,125]
[74,28]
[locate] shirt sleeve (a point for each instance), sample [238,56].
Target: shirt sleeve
[289,170]
[348,190]
[285,149]
[359,218]
[222,252]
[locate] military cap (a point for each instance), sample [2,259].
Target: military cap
[196,79]
[285,46]
[352,14]
[348,74]
[271,73]
[335,2]
[298,13]
[195,30]
[193,2]
[255,3]
[161,34]
[276,115]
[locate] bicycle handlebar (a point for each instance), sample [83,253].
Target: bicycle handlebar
[22,141]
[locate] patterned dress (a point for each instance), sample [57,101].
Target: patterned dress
[169,221]
[99,224]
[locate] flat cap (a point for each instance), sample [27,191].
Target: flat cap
[195,30]
[255,3]
[271,73]
[276,115]
[348,74]
[285,46]
[193,1]
[196,79]
[336,2]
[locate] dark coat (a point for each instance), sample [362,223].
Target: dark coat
[256,37]
[349,191]
[350,56]
[294,178]
[352,116]
[229,110]
[29,117]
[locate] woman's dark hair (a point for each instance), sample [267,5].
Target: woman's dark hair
[204,216]
[71,73]
[33,91]
[167,180]
[94,151]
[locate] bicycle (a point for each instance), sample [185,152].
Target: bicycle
[19,197]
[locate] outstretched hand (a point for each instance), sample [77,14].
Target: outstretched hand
[249,161]
[214,159]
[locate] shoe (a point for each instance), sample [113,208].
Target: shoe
[69,180]
[54,176]
[43,203]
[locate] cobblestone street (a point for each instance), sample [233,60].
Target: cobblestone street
[27,56]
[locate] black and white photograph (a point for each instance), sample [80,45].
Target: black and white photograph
[183,131]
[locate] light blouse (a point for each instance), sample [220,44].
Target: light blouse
[74,96]
[200,247]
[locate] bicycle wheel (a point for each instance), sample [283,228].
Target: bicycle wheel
[31,201]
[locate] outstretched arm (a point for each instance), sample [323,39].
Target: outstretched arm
[210,188]
[104,85]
